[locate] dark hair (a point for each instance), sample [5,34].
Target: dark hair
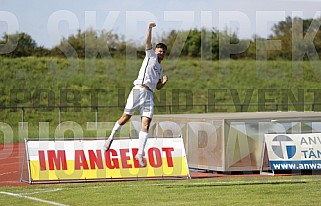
[161,45]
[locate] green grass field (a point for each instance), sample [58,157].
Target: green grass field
[262,190]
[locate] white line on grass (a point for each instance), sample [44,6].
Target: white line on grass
[31,198]
[42,191]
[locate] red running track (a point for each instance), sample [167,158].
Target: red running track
[11,157]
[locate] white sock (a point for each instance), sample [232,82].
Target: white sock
[143,136]
[115,129]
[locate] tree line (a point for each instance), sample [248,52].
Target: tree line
[291,39]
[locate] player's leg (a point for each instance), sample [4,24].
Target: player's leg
[131,105]
[147,111]
[143,136]
[119,124]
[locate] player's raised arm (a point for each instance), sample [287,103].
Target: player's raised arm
[149,36]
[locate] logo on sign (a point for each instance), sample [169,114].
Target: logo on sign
[283,147]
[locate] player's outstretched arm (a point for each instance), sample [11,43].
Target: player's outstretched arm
[149,36]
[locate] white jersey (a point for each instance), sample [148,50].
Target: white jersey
[150,72]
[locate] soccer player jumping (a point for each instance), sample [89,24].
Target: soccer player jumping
[150,77]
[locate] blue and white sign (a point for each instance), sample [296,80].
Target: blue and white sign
[294,151]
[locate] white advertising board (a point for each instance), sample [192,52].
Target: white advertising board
[294,151]
[61,160]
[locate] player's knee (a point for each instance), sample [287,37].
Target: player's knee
[124,118]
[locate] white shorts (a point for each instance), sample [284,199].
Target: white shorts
[140,98]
